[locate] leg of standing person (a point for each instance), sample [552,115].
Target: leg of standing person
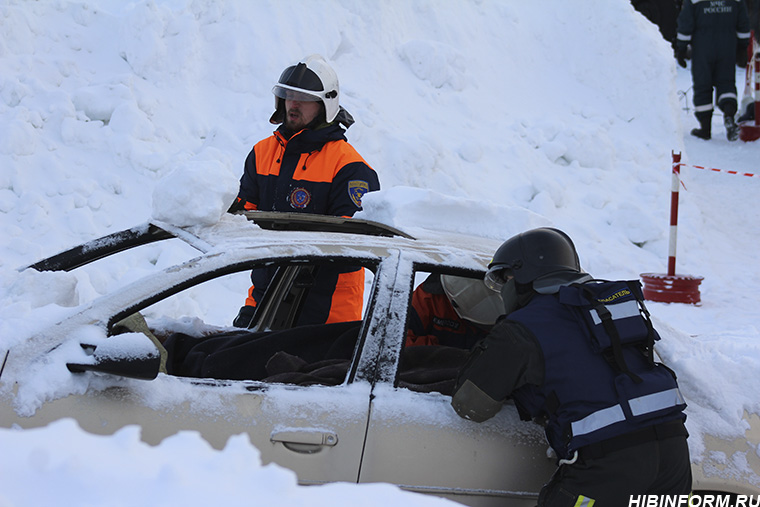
[702,78]
[655,467]
[725,87]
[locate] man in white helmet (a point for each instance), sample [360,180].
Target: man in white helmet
[308,166]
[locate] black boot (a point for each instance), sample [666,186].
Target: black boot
[732,129]
[728,107]
[702,133]
[705,125]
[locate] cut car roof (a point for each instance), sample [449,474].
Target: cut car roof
[206,238]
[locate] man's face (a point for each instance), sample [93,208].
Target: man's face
[299,114]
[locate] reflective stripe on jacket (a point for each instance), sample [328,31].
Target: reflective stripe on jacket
[712,25]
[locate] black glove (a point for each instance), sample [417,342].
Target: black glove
[741,54]
[681,52]
[244,317]
[238,205]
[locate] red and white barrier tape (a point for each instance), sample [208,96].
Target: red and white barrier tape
[751,175]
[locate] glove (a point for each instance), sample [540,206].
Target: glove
[741,54]
[238,205]
[244,317]
[681,51]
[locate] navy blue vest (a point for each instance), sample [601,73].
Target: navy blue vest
[584,398]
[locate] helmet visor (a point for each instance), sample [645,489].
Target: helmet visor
[472,300]
[496,277]
[287,93]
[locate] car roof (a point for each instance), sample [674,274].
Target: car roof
[257,228]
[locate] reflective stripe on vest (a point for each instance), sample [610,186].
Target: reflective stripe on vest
[584,501]
[618,311]
[598,420]
[656,401]
[639,406]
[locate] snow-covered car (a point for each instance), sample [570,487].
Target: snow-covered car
[338,402]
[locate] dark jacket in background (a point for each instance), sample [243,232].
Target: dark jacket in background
[715,29]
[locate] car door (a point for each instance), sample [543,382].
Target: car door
[417,441]
[318,431]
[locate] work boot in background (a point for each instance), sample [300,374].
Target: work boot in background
[729,111]
[732,129]
[705,125]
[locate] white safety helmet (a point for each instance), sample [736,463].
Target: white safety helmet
[311,79]
[472,300]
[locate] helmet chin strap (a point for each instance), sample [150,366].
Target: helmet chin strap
[344,117]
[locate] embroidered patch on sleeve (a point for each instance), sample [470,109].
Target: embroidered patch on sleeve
[357,189]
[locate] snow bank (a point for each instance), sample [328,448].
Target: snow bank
[488,117]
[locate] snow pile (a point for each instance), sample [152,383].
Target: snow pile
[123,471]
[198,193]
[408,208]
[487,117]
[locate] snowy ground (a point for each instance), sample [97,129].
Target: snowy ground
[564,111]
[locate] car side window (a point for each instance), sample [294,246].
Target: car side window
[194,326]
[448,314]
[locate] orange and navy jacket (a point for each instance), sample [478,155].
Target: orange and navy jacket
[433,321]
[313,171]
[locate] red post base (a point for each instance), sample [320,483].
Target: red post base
[671,288]
[749,131]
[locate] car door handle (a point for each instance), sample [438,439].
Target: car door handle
[304,441]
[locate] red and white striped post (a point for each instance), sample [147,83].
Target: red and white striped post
[757,83]
[672,288]
[757,80]
[748,131]
[673,235]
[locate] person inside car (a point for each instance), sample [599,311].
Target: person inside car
[448,315]
[451,310]
[611,413]
[308,166]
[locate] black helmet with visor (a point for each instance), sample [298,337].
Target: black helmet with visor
[543,257]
